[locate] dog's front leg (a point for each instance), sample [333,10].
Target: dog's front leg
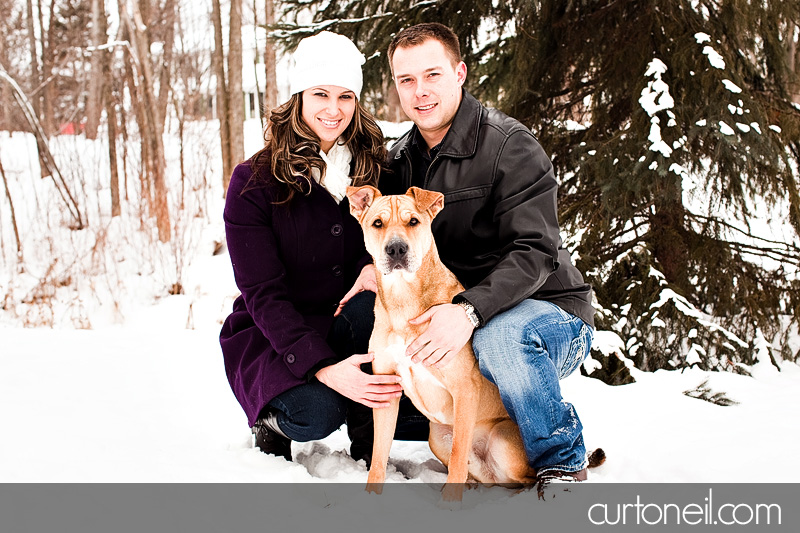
[466,401]
[385,421]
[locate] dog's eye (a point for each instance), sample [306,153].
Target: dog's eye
[413,222]
[377,223]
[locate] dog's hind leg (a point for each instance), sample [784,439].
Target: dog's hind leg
[507,455]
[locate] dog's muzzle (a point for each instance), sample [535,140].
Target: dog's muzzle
[396,255]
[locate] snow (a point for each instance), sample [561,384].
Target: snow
[149,402]
[725,129]
[701,38]
[654,98]
[732,87]
[714,58]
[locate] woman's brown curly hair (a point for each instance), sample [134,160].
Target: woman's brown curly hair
[292,149]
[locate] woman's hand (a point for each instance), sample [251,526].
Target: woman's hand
[366,281]
[347,379]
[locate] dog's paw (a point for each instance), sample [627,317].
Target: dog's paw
[375,488]
[449,505]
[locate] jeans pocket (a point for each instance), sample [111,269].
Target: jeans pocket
[578,350]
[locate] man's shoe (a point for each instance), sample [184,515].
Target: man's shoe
[271,442]
[543,479]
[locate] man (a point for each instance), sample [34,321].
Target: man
[527,305]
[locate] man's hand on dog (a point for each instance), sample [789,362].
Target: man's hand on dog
[449,330]
[366,281]
[347,378]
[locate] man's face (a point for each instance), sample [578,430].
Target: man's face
[429,85]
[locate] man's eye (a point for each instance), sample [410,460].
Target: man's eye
[377,224]
[413,222]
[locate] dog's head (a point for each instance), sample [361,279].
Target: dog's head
[397,229]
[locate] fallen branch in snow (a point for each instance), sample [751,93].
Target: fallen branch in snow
[704,392]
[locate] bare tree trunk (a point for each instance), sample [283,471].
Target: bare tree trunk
[36,71]
[169,15]
[151,130]
[218,60]
[95,98]
[48,93]
[123,123]
[111,118]
[13,217]
[35,126]
[793,60]
[5,94]
[271,89]
[235,83]
[147,207]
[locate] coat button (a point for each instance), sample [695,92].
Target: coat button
[290,358]
[336,230]
[337,271]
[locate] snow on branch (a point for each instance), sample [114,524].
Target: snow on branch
[683,305]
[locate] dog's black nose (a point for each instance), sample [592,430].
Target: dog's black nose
[396,250]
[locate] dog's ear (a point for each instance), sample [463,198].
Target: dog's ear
[361,198]
[431,201]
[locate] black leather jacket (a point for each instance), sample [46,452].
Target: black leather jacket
[499,231]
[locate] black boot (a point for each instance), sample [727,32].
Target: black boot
[269,440]
[360,431]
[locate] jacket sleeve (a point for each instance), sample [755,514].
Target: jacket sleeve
[524,198]
[260,275]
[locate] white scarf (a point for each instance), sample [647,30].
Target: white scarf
[337,171]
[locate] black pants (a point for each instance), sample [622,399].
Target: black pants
[313,411]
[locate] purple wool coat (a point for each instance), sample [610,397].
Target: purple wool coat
[293,264]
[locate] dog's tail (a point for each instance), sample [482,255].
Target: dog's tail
[596,457]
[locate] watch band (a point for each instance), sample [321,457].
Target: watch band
[471,314]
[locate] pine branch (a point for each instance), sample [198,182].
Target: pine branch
[745,233]
[704,392]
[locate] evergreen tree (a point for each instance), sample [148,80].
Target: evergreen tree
[670,124]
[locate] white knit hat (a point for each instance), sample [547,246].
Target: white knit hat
[326,59]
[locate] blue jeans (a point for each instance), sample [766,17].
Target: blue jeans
[313,411]
[525,351]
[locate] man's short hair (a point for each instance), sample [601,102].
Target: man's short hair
[416,35]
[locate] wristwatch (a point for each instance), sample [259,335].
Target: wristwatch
[471,314]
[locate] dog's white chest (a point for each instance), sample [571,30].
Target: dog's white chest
[419,383]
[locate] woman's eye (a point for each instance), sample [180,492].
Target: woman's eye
[377,224]
[413,222]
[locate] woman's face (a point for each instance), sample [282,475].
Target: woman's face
[328,110]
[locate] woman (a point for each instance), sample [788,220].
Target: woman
[289,345]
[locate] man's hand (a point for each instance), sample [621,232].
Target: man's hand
[449,330]
[347,379]
[366,281]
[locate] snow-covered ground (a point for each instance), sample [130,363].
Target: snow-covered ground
[148,401]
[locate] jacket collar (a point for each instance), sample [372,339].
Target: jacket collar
[461,140]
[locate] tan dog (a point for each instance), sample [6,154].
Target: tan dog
[471,432]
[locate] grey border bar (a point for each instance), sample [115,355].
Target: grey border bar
[404,507]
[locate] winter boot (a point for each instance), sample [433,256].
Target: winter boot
[270,439]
